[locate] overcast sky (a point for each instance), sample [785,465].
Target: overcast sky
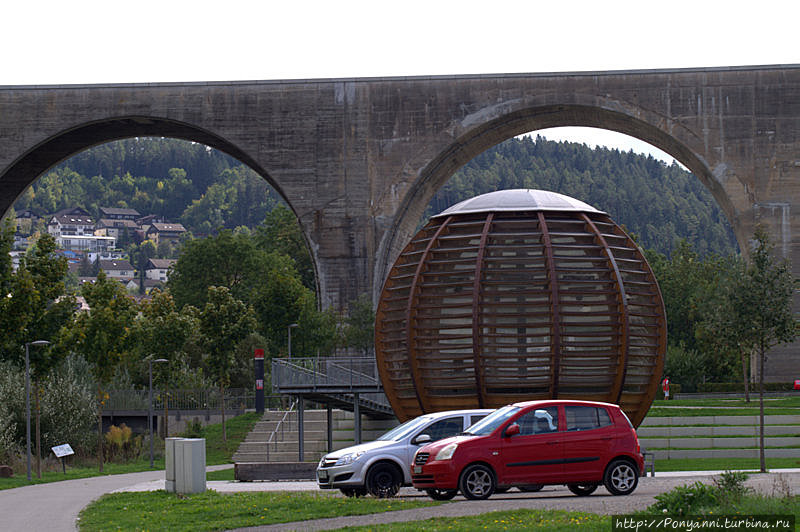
[108,41]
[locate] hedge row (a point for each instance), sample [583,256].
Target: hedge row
[725,387]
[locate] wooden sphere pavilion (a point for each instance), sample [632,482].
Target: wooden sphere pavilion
[520,295]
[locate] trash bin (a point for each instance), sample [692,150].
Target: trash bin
[190,470]
[185,463]
[169,463]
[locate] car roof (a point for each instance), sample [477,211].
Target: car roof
[437,415]
[575,402]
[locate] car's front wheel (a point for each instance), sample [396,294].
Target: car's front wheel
[582,490]
[384,480]
[441,495]
[621,477]
[477,482]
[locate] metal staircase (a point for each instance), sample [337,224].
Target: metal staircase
[339,381]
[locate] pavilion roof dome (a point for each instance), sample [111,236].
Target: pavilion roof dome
[519,199]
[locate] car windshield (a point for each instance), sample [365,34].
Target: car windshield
[401,431]
[488,424]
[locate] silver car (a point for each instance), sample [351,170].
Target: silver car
[382,466]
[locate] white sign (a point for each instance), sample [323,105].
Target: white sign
[63,450]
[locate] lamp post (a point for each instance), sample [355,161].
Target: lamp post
[150,404]
[28,399]
[291,326]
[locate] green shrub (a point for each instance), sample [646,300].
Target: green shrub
[728,489]
[194,429]
[738,387]
[122,444]
[686,500]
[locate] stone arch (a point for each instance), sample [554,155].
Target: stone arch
[24,171]
[476,140]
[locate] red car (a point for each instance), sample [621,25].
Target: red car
[578,443]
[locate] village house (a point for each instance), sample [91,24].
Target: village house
[76,232]
[116,227]
[121,270]
[165,232]
[158,269]
[113,213]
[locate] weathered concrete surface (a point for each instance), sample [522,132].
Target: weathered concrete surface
[250,471]
[358,159]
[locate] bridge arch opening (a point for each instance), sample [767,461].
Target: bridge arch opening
[53,157]
[475,141]
[33,164]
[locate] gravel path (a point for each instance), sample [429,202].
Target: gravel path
[551,498]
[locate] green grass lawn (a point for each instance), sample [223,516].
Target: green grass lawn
[724,407]
[788,402]
[158,510]
[216,453]
[722,464]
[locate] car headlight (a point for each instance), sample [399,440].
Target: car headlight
[321,462]
[349,458]
[447,452]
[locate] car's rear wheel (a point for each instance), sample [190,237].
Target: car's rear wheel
[477,482]
[353,492]
[383,480]
[582,490]
[621,477]
[530,488]
[441,495]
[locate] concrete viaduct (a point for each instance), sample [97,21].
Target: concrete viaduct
[359,159]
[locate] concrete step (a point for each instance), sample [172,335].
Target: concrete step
[320,446]
[720,420]
[284,456]
[721,430]
[666,454]
[290,434]
[714,443]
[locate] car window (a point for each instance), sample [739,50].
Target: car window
[488,424]
[474,419]
[538,421]
[401,431]
[586,417]
[444,428]
[603,416]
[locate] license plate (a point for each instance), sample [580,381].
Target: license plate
[323,475]
[417,469]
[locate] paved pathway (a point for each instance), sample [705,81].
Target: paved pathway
[54,507]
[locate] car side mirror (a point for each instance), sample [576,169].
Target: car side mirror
[512,430]
[422,438]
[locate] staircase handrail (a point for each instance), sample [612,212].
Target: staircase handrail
[280,426]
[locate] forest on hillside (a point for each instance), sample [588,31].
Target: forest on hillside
[207,190]
[660,204]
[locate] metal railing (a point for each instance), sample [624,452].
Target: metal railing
[196,399]
[331,376]
[325,373]
[280,427]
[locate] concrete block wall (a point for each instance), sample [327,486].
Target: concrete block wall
[284,445]
[720,436]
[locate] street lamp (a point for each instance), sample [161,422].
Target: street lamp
[291,326]
[150,404]
[28,399]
